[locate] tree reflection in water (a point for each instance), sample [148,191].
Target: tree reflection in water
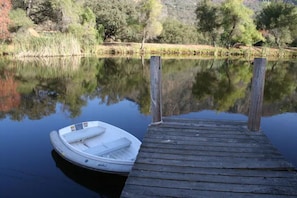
[34,93]
[188,86]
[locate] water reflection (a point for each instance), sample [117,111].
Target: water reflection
[36,97]
[224,86]
[28,90]
[106,185]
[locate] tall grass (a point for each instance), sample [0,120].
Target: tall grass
[188,51]
[47,46]
[69,45]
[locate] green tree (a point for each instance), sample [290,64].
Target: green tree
[85,30]
[280,20]
[150,11]
[67,12]
[178,33]
[17,4]
[116,17]
[19,20]
[238,24]
[76,18]
[209,20]
[38,11]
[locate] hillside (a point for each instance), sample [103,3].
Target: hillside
[185,10]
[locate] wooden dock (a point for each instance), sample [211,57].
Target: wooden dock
[196,158]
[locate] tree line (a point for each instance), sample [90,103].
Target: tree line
[231,22]
[92,22]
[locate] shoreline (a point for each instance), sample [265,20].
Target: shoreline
[194,51]
[174,51]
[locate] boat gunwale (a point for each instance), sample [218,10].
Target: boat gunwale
[134,141]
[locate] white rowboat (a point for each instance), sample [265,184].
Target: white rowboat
[98,146]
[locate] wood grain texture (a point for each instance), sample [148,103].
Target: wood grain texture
[203,158]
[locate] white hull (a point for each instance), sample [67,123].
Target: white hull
[97,145]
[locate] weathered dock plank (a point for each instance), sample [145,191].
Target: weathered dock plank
[203,158]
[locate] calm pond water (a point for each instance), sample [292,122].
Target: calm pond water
[37,97]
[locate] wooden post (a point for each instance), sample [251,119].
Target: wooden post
[156,87]
[257,92]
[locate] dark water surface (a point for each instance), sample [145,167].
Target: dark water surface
[38,97]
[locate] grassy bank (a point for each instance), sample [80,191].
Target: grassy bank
[40,47]
[170,50]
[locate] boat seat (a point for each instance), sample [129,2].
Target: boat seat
[83,134]
[109,147]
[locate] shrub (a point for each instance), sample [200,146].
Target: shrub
[53,45]
[19,19]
